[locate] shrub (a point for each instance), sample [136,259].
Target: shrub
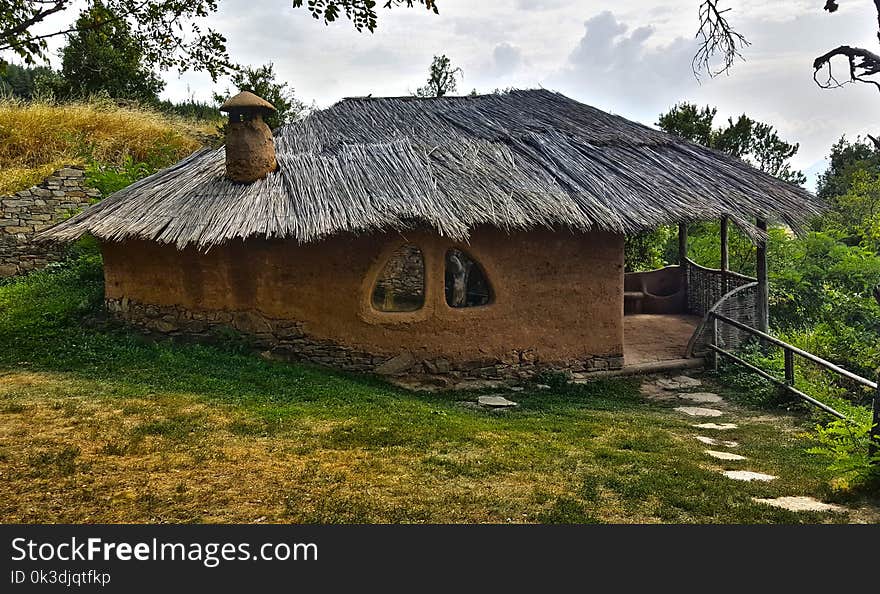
[845,444]
[109,179]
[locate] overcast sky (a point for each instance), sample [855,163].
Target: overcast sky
[630,57]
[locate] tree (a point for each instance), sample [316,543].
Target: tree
[846,159]
[261,81]
[754,142]
[689,122]
[171,33]
[103,56]
[855,215]
[441,78]
[22,82]
[851,188]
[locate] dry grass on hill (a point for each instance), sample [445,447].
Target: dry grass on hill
[37,138]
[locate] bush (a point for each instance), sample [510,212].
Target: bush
[645,251]
[35,306]
[109,179]
[845,444]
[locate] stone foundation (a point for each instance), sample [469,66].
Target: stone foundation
[32,210]
[286,340]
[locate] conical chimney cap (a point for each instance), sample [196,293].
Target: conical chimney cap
[246,100]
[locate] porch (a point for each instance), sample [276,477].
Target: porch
[666,310]
[650,339]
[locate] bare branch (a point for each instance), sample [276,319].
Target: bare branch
[862,64]
[717,37]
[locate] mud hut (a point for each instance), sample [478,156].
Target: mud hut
[473,236]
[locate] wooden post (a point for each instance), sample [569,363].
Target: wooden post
[682,243]
[789,367]
[725,256]
[715,342]
[682,260]
[874,435]
[763,300]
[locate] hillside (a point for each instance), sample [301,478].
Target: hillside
[38,138]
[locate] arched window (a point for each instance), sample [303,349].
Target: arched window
[466,282]
[401,285]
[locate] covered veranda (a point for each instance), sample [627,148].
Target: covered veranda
[665,309]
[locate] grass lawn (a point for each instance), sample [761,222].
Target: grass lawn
[98,424]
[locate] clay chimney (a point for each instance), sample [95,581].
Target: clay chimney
[250,150]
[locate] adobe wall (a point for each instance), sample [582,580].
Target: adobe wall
[558,300]
[32,210]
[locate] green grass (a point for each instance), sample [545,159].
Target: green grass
[98,424]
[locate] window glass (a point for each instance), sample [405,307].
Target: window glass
[401,286]
[466,282]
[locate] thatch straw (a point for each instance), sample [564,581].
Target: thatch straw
[514,161]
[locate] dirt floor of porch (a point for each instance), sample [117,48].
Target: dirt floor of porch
[652,339]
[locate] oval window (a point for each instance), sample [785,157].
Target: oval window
[401,285]
[466,282]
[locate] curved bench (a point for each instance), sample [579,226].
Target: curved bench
[661,291]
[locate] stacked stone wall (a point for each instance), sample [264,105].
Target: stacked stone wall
[30,211]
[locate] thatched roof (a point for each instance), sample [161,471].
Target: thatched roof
[516,160]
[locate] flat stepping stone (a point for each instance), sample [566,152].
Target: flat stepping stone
[696,411]
[680,382]
[701,397]
[715,442]
[748,475]
[652,391]
[496,402]
[725,455]
[800,504]
[717,426]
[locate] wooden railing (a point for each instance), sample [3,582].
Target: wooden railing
[738,304]
[728,303]
[706,287]
[789,352]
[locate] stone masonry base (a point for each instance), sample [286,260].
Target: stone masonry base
[286,340]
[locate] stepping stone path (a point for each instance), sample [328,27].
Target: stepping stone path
[495,402]
[748,475]
[725,455]
[715,442]
[801,504]
[676,389]
[682,382]
[696,411]
[652,391]
[702,397]
[717,426]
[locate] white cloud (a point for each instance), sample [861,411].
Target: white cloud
[617,68]
[507,58]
